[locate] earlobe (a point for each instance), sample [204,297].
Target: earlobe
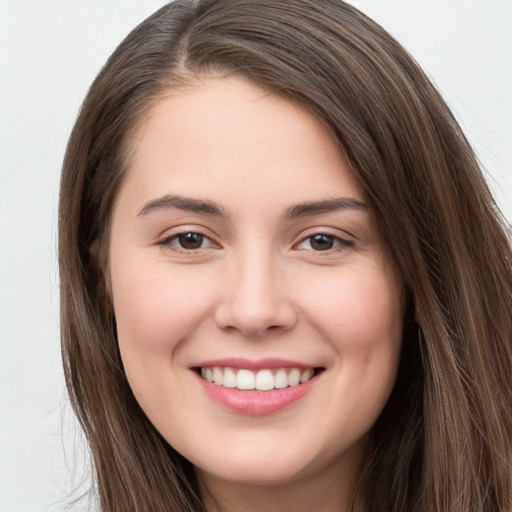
[101,278]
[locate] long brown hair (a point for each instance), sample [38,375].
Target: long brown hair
[444,440]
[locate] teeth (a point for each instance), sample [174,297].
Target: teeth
[294,377]
[280,379]
[264,380]
[306,375]
[218,377]
[229,378]
[245,379]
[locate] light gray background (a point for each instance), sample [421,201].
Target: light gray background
[50,51]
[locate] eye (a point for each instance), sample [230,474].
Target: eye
[188,241]
[323,242]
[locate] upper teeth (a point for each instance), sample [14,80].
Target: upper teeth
[263,380]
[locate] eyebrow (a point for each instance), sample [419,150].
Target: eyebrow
[327,206]
[182,203]
[211,208]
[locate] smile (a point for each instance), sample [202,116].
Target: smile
[262,380]
[256,387]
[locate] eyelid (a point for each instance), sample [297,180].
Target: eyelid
[165,240]
[343,242]
[170,235]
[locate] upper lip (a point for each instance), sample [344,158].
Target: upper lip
[254,365]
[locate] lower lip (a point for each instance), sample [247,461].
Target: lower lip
[256,402]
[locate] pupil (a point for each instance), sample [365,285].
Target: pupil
[191,240]
[321,242]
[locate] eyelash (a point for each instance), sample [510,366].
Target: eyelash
[168,241]
[336,242]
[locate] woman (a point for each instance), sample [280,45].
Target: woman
[285,284]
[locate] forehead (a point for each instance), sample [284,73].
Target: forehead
[227,134]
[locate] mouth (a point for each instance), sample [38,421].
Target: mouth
[256,387]
[265,379]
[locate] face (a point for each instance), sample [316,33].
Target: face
[259,319]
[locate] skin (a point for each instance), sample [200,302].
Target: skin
[256,287]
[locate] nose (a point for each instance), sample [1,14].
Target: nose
[255,299]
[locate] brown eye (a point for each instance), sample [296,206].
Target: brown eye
[190,241]
[321,242]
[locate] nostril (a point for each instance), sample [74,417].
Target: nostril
[255,312]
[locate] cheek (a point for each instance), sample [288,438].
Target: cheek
[155,311]
[361,314]
[363,320]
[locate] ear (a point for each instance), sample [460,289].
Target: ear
[101,275]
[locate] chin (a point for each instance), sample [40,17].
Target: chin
[259,473]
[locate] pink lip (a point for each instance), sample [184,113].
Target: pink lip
[255,403]
[260,364]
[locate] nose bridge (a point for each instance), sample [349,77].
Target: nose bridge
[255,298]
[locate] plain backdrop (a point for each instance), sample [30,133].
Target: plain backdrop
[50,52]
